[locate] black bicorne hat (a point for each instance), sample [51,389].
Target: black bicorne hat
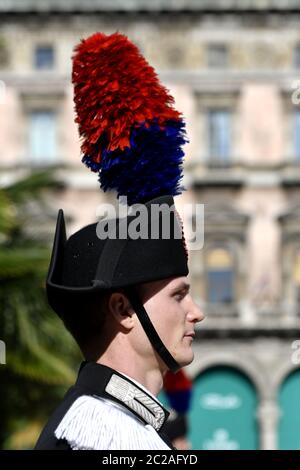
[85,263]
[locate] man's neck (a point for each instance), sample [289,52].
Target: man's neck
[151,379]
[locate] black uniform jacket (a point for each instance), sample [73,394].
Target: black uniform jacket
[92,380]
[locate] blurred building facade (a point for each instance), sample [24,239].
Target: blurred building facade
[234,70]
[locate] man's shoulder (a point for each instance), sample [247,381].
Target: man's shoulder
[85,422]
[47,439]
[94,422]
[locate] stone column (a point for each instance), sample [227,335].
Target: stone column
[268,414]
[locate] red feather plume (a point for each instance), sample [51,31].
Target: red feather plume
[115,89]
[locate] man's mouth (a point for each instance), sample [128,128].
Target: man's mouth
[190,334]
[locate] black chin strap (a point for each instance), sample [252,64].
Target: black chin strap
[150,331]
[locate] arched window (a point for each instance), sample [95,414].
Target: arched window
[296,274]
[220,275]
[296,125]
[289,431]
[223,411]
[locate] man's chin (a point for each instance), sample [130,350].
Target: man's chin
[186,359]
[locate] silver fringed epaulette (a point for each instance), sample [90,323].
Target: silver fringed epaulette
[134,398]
[98,422]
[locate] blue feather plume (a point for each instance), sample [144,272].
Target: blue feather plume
[152,166]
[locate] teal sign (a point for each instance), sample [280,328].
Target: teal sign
[289,421]
[222,415]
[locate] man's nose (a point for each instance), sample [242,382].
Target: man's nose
[196,312]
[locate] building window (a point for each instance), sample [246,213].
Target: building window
[219,275]
[296,126]
[175,56]
[42,137]
[4,55]
[217,56]
[297,274]
[44,57]
[297,57]
[219,130]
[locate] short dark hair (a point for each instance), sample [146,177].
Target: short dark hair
[85,317]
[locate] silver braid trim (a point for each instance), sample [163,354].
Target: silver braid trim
[136,400]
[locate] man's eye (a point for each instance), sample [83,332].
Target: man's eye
[179,297]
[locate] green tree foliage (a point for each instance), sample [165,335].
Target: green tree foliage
[41,357]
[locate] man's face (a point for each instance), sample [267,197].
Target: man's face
[173,314]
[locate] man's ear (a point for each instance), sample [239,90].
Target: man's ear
[120,307]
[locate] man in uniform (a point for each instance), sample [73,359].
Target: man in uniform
[125,299]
